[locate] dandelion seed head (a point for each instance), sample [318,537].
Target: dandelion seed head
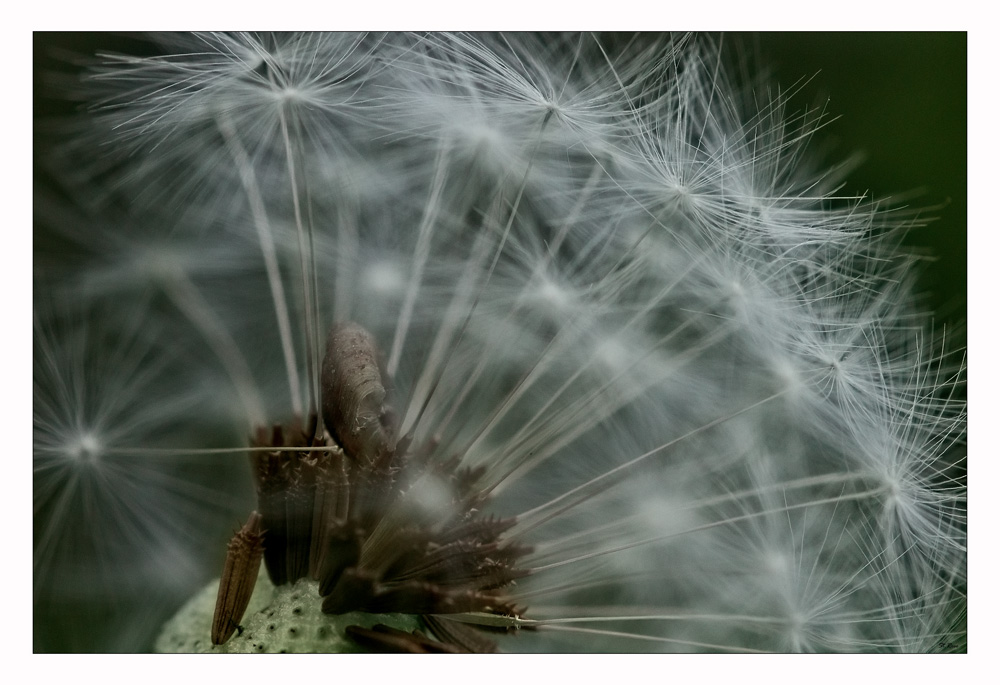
[554,295]
[85,449]
[385,278]
[791,380]
[621,368]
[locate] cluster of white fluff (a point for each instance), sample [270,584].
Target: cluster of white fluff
[599,269]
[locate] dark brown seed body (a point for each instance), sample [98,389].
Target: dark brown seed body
[382,638]
[463,637]
[286,492]
[239,576]
[353,396]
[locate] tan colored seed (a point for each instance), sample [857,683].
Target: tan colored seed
[354,408]
[239,576]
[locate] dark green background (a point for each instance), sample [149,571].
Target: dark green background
[900,100]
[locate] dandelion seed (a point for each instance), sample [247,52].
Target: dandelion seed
[238,579]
